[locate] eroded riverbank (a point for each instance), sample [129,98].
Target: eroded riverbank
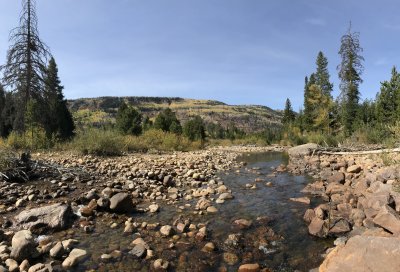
[200,211]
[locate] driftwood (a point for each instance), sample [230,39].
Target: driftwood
[365,152]
[23,169]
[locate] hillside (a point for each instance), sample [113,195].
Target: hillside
[249,118]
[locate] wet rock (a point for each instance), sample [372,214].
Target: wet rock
[45,219]
[160,265]
[243,223]
[209,247]
[103,203]
[168,181]
[316,227]
[181,227]
[89,209]
[364,253]
[316,188]
[249,268]
[166,230]
[388,219]
[23,245]
[230,258]
[309,215]
[106,257]
[222,189]
[201,234]
[122,203]
[140,241]
[69,244]
[233,240]
[225,196]
[3,269]
[212,209]
[138,250]
[74,257]
[12,265]
[304,200]
[38,268]
[154,208]
[24,266]
[203,204]
[57,251]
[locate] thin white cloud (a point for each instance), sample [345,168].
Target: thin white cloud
[392,26]
[316,21]
[381,62]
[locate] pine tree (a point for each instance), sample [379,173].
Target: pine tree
[288,113]
[58,119]
[2,113]
[308,121]
[147,123]
[167,121]
[26,63]
[350,70]
[321,105]
[388,99]
[129,120]
[322,75]
[7,113]
[194,129]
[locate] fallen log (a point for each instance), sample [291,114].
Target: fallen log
[367,152]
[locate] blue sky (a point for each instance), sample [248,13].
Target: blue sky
[235,51]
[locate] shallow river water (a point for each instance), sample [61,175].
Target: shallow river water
[290,248]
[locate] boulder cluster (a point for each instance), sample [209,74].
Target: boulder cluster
[361,209]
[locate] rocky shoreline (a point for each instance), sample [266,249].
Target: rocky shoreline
[361,209]
[91,195]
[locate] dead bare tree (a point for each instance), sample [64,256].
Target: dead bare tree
[26,64]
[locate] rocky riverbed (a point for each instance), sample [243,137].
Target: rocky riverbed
[361,209]
[159,206]
[212,210]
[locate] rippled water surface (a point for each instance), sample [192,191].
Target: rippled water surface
[295,250]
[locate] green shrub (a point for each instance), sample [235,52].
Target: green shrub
[6,157]
[167,141]
[108,142]
[97,142]
[33,139]
[376,134]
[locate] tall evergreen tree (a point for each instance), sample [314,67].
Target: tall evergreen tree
[167,121]
[2,106]
[308,120]
[26,63]
[350,70]
[129,120]
[388,99]
[288,114]
[58,120]
[322,75]
[321,105]
[194,129]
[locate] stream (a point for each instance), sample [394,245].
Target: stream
[278,238]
